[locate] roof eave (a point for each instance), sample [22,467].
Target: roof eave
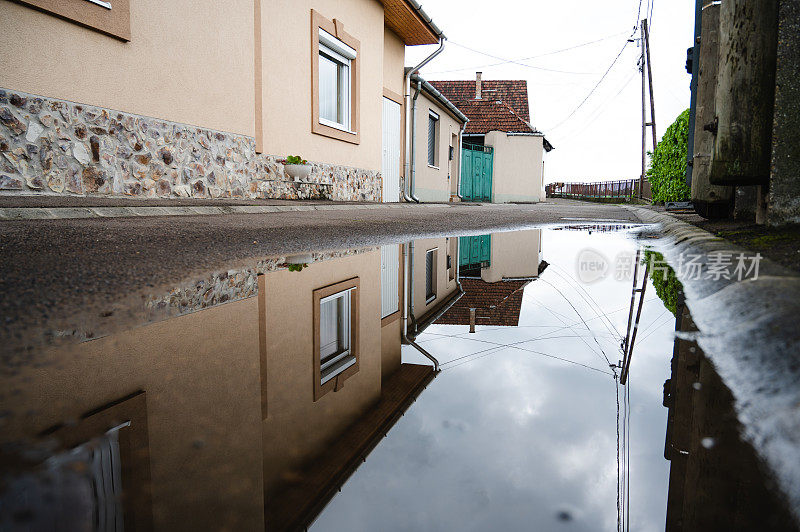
[408,20]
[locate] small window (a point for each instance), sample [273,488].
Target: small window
[335,62]
[334,81]
[430,275]
[433,139]
[335,336]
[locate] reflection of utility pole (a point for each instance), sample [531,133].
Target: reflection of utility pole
[644,62]
[633,326]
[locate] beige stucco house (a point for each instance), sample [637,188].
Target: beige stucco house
[503,153]
[203,99]
[436,144]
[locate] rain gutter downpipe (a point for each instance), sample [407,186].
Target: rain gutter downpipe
[408,189]
[404,331]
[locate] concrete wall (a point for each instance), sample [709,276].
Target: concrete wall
[516,254]
[444,285]
[173,68]
[200,373]
[436,183]
[288,298]
[517,173]
[286,66]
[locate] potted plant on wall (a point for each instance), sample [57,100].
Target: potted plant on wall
[296,167]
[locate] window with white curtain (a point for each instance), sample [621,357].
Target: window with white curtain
[335,61]
[335,354]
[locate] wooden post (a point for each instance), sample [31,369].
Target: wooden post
[709,201]
[644,118]
[646,33]
[745,94]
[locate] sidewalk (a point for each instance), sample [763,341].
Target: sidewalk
[52,207]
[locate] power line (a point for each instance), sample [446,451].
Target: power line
[614,62]
[516,62]
[601,109]
[526,58]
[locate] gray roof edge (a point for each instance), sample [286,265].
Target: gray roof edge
[430,89]
[428,20]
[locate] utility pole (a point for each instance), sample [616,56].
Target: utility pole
[644,63]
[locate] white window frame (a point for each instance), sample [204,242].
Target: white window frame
[340,53]
[100,3]
[336,362]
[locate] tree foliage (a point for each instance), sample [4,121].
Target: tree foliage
[668,163]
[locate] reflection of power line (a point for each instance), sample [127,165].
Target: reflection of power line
[592,302]
[580,316]
[559,317]
[500,347]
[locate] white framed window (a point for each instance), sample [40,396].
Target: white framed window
[433,139]
[430,275]
[335,355]
[335,62]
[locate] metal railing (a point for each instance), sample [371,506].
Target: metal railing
[602,190]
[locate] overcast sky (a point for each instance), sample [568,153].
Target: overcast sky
[603,139]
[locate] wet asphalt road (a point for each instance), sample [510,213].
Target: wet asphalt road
[53,269]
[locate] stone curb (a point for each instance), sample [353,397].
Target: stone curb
[61,213]
[749,332]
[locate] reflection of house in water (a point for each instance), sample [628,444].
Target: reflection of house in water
[244,415]
[494,271]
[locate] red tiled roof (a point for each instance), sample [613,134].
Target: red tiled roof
[502,107]
[495,303]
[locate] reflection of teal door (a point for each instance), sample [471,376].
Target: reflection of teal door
[476,173]
[475,250]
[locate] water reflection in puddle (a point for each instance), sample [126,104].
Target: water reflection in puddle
[518,432]
[247,399]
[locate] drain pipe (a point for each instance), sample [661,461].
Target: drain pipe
[412,183]
[408,189]
[411,286]
[406,285]
[460,166]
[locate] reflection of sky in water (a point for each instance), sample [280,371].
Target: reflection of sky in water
[513,439]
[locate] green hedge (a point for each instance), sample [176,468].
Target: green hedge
[667,170]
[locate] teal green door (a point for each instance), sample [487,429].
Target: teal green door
[475,250]
[476,173]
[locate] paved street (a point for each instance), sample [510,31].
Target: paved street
[57,267]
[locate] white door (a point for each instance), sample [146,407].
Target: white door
[390,279]
[390,167]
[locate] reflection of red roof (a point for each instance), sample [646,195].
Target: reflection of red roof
[495,303]
[503,105]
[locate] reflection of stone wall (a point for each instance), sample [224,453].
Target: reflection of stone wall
[58,147]
[223,287]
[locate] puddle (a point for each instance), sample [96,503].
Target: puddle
[281,395]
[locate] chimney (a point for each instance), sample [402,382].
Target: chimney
[478,85]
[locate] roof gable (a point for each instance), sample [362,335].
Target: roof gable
[503,106]
[495,303]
